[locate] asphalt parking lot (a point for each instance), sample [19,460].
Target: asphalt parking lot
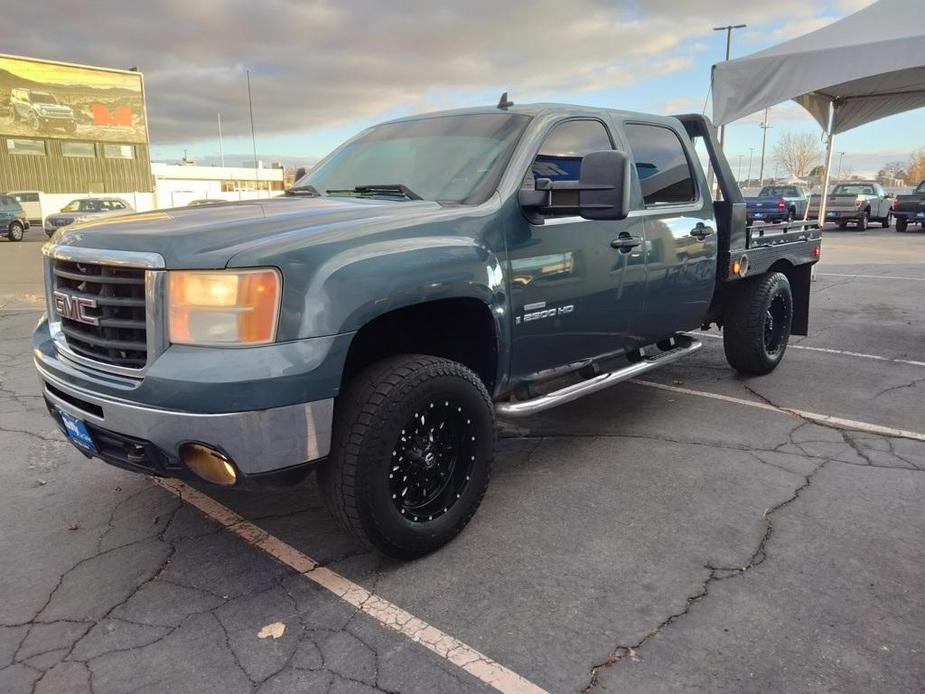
[695,530]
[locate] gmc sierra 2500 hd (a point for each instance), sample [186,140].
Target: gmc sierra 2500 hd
[432,272]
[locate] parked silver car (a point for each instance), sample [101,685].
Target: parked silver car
[82,209]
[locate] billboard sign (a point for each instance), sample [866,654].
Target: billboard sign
[73,102]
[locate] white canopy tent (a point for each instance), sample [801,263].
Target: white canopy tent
[859,69]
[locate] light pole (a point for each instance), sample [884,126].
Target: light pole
[764,143]
[728,29]
[841,158]
[751,151]
[739,170]
[221,145]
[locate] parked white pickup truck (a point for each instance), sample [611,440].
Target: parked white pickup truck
[860,202]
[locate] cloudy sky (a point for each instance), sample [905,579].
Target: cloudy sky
[321,70]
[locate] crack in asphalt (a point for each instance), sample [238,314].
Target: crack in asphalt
[911,384]
[714,574]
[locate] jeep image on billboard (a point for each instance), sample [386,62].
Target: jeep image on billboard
[70,101]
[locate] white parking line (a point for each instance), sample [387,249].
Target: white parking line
[829,350]
[386,613]
[871,277]
[837,422]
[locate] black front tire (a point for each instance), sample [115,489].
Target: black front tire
[901,224]
[378,411]
[887,221]
[756,324]
[15,232]
[863,221]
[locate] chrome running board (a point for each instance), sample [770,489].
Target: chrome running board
[524,408]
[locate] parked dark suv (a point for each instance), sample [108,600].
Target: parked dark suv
[13,220]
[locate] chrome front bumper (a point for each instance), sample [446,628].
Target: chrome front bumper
[257,442]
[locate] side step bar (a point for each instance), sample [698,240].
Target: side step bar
[524,408]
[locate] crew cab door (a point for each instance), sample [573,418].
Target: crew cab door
[680,229]
[577,285]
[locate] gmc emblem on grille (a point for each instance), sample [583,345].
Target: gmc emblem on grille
[74,307]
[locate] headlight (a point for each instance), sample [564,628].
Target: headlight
[223,307]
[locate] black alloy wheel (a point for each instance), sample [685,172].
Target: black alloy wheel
[776,323]
[432,461]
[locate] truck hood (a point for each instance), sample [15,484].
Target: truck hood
[208,236]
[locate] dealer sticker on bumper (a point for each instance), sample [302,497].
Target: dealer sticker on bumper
[77,431]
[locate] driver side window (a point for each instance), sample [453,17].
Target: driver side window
[559,158]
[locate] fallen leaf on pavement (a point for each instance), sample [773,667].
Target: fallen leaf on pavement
[274,630]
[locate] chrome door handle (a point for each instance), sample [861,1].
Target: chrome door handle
[700,232]
[625,242]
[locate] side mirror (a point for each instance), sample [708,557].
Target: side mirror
[604,185]
[602,191]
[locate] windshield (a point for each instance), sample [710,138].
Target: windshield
[40,98]
[779,192]
[81,206]
[450,159]
[853,190]
[921,188]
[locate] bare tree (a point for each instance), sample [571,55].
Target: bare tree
[798,153]
[892,171]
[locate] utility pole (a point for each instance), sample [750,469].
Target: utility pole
[250,104]
[764,143]
[751,151]
[729,28]
[221,145]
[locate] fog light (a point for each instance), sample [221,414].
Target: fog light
[208,463]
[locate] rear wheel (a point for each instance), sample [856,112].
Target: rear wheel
[412,454]
[756,325]
[863,220]
[901,224]
[15,232]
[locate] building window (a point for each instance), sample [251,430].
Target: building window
[78,149]
[118,151]
[20,146]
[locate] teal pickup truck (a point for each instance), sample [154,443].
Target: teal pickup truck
[431,274]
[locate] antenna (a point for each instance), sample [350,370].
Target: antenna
[504,103]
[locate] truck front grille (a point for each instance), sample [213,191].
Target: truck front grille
[114,299]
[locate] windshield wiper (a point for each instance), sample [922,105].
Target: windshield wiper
[307,189]
[379,189]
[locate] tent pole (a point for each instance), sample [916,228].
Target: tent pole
[828,170]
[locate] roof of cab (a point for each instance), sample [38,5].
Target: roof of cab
[539,109]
